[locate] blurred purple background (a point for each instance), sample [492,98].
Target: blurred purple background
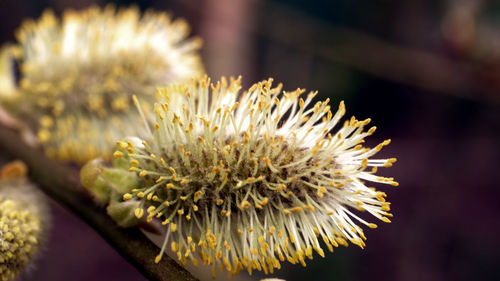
[428,74]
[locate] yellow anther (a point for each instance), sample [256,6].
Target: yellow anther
[123,145]
[264,201]
[118,154]
[44,136]
[136,101]
[364,163]
[173,227]
[197,195]
[174,246]
[281,187]
[245,205]
[139,212]
[384,219]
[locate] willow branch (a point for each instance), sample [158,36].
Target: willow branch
[62,184]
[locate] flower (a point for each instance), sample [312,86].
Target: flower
[250,182]
[23,221]
[78,74]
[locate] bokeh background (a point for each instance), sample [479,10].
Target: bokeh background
[428,74]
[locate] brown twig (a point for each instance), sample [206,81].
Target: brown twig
[62,184]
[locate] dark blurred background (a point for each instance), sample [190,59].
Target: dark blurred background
[428,74]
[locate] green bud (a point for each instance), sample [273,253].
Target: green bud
[119,180]
[122,212]
[93,180]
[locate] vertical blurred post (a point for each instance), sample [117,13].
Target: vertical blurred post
[227,43]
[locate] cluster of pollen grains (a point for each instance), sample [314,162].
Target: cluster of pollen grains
[78,74]
[246,183]
[20,230]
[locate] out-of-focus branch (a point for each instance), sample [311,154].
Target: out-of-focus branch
[62,184]
[366,53]
[416,68]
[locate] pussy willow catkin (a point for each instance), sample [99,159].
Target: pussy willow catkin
[248,182]
[78,73]
[23,221]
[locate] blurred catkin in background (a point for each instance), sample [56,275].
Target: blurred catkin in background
[24,221]
[78,72]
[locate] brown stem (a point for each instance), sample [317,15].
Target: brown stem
[62,184]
